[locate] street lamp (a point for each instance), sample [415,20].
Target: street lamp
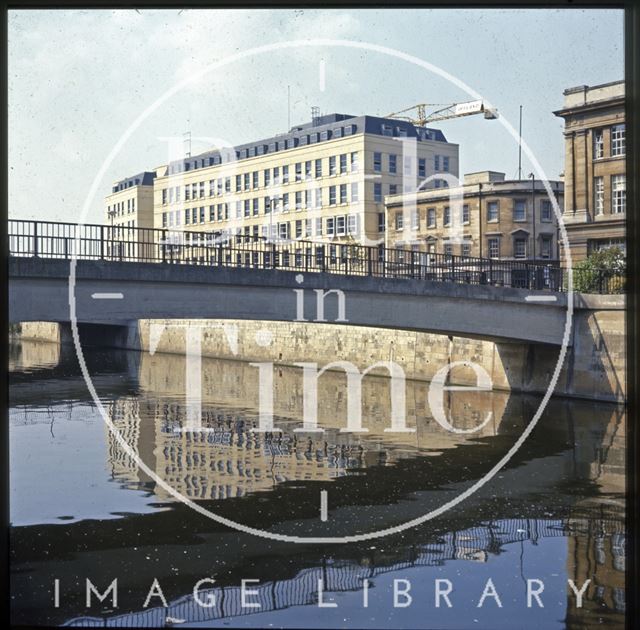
[533,211]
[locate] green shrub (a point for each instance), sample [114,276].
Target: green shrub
[603,271]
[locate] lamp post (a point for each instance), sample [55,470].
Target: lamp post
[533,211]
[112,214]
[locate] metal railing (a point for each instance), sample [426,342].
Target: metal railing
[47,239]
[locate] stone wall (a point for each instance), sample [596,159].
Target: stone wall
[594,367]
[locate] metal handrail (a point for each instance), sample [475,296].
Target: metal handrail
[50,239]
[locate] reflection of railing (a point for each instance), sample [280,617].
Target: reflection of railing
[44,239]
[471,544]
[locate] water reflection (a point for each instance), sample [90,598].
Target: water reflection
[555,512]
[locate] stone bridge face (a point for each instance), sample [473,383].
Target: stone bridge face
[122,292]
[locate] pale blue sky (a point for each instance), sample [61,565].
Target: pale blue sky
[78,79]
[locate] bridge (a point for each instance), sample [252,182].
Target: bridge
[127,274]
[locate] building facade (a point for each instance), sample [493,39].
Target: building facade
[487,217]
[595,178]
[322,181]
[130,205]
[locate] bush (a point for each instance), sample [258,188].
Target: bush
[603,271]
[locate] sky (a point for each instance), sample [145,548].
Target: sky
[78,80]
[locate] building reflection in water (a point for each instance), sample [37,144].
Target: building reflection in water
[580,447]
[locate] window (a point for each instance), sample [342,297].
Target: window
[298,171]
[494,247]
[298,229]
[445,163]
[238,209]
[618,194]
[393,189]
[187,216]
[448,249]
[415,219]
[308,172]
[519,247]
[545,210]
[332,165]
[399,221]
[331,226]
[446,216]
[519,210]
[354,192]
[247,181]
[267,205]
[332,195]
[377,192]
[352,224]
[343,193]
[466,249]
[343,163]
[164,196]
[598,195]
[492,211]
[285,202]
[318,227]
[285,174]
[377,162]
[227,184]
[436,162]
[238,183]
[299,200]
[598,144]
[319,168]
[545,246]
[267,177]
[408,165]
[617,140]
[431,217]
[202,214]
[255,207]
[422,167]
[341,225]
[318,198]
[393,163]
[247,208]
[194,215]
[354,162]
[164,219]
[381,222]
[276,175]
[465,213]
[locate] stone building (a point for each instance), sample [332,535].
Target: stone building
[324,180]
[486,216]
[595,179]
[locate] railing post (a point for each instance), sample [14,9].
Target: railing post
[369,261]
[102,256]
[35,239]
[273,255]
[163,245]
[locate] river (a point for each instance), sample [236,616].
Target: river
[82,508]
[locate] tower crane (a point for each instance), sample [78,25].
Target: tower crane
[453,110]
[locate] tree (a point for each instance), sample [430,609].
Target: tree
[602,272]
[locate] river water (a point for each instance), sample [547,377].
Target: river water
[82,508]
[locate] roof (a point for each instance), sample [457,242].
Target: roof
[320,129]
[140,179]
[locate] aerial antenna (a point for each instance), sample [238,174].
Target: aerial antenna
[520,147]
[315,115]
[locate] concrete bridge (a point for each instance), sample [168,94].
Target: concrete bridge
[120,293]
